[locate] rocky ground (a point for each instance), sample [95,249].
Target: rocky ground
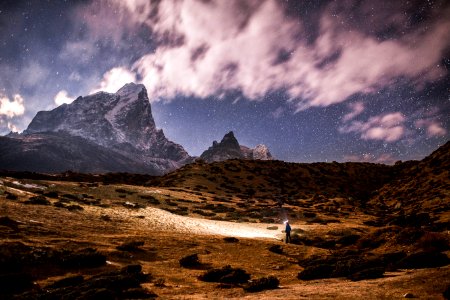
[109,240]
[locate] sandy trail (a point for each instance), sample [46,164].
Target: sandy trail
[161,220]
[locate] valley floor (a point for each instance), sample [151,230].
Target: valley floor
[163,238]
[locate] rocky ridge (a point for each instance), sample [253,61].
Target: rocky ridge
[229,148]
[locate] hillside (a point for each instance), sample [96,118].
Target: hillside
[279,180]
[124,235]
[419,186]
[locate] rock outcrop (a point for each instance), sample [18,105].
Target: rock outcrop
[229,148]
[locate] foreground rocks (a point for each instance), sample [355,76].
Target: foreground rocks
[359,266]
[121,284]
[18,260]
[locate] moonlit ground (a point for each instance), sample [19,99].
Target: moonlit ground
[162,220]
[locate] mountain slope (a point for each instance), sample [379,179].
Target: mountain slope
[287,182]
[120,126]
[119,121]
[59,152]
[423,185]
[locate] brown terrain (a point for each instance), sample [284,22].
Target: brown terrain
[360,231]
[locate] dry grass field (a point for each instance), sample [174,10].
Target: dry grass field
[215,231]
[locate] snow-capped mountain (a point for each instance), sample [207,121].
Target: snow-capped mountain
[229,148]
[118,125]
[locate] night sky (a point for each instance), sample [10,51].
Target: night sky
[313,80]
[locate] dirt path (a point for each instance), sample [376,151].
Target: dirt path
[161,220]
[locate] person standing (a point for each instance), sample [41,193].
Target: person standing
[288,232]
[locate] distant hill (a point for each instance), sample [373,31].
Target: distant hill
[281,180]
[412,186]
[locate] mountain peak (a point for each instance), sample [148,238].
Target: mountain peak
[229,135]
[122,122]
[131,88]
[229,148]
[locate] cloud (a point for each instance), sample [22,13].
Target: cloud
[388,127]
[206,48]
[114,79]
[278,113]
[62,97]
[82,51]
[12,108]
[356,109]
[12,127]
[33,74]
[433,127]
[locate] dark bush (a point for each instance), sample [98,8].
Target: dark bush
[123,191]
[423,260]
[11,196]
[59,204]
[348,239]
[150,199]
[276,249]
[265,283]
[316,272]
[370,273]
[121,284]
[203,213]
[74,207]
[66,282]
[131,246]
[72,197]
[190,261]
[84,258]
[38,200]
[15,282]
[138,293]
[226,274]
[51,194]
[230,240]
[446,293]
[309,214]
[434,242]
[105,218]
[8,222]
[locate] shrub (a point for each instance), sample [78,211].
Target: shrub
[230,240]
[123,191]
[434,241]
[11,196]
[74,207]
[39,200]
[226,274]
[316,272]
[424,260]
[371,273]
[190,261]
[131,246]
[87,258]
[276,249]
[265,283]
[150,199]
[51,194]
[203,213]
